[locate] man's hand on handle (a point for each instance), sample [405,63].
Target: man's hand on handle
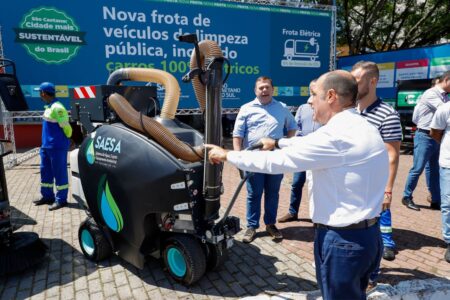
[268,143]
[216,155]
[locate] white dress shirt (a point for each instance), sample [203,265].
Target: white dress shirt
[441,121]
[430,100]
[348,163]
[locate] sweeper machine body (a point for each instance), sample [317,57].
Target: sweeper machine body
[144,175]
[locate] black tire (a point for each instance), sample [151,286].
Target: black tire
[215,256]
[184,258]
[93,242]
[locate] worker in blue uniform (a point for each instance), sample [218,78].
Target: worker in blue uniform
[56,132]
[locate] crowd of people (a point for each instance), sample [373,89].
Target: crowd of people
[347,146]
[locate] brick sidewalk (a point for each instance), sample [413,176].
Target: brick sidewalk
[263,267]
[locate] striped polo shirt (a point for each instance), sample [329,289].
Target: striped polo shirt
[386,119]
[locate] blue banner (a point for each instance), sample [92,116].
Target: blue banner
[415,63]
[77,43]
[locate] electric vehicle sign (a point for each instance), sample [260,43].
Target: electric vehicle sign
[49,35]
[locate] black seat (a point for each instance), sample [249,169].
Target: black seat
[10,90]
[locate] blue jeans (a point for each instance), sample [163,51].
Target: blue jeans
[298,180]
[445,203]
[425,150]
[256,185]
[345,259]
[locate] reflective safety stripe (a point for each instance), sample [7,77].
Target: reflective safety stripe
[385,229]
[62,187]
[47,185]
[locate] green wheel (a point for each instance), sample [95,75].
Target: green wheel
[184,258]
[93,242]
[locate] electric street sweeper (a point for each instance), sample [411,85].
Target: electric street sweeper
[144,177]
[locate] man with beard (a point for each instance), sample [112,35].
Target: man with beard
[387,121]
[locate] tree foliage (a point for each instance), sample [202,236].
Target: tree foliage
[381,25]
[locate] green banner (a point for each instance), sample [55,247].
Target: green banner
[408,98]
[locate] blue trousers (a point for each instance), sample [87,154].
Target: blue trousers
[256,185]
[386,228]
[345,259]
[54,169]
[298,181]
[386,237]
[445,203]
[426,150]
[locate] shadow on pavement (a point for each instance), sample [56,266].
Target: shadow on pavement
[395,275]
[408,239]
[63,264]
[19,219]
[298,233]
[247,272]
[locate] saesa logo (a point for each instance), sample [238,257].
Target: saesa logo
[108,144]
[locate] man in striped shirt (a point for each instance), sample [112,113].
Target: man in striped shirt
[387,121]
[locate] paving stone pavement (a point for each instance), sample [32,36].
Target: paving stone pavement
[260,268]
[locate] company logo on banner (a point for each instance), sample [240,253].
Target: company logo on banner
[49,35]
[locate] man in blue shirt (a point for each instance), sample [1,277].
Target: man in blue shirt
[262,117]
[56,132]
[305,125]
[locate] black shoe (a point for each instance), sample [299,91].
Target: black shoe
[409,203]
[388,253]
[435,206]
[43,201]
[274,232]
[287,218]
[249,235]
[447,254]
[56,206]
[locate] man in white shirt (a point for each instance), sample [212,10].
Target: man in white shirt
[349,167]
[440,131]
[426,150]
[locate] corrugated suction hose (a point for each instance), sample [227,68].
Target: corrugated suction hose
[131,117]
[208,50]
[170,83]
[161,134]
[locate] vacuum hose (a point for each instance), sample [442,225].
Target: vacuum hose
[160,133]
[208,92]
[208,50]
[169,82]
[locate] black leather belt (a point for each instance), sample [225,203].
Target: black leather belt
[360,225]
[423,130]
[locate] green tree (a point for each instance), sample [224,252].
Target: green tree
[381,25]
